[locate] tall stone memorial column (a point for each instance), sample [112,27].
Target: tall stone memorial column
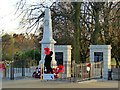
[47,40]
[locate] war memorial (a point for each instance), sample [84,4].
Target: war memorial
[89,75]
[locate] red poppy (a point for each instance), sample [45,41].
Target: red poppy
[60,68]
[88,64]
[47,51]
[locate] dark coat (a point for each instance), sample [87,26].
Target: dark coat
[48,60]
[47,64]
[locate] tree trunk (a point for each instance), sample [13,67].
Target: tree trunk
[117,62]
[76,23]
[96,32]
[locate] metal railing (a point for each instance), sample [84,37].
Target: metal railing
[81,73]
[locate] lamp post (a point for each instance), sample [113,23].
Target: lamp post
[12,71]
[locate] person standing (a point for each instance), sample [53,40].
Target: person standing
[47,64]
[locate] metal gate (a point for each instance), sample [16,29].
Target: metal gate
[81,73]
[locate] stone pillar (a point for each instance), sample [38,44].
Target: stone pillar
[106,49]
[107,62]
[66,49]
[47,40]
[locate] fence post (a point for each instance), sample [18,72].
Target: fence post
[101,69]
[91,70]
[74,72]
[23,68]
[81,71]
[11,72]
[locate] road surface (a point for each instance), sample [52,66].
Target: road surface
[37,83]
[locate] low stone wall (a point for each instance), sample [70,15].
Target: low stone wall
[116,73]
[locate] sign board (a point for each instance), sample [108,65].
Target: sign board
[48,76]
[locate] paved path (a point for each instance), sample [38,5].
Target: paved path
[37,83]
